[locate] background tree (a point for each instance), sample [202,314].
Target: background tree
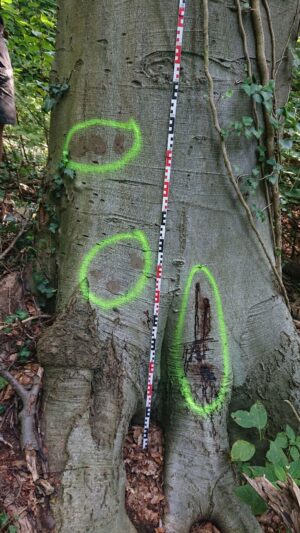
[118,60]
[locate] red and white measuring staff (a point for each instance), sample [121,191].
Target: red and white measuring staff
[164,208]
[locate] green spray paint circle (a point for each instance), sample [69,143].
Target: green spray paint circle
[184,384]
[109,303]
[130,126]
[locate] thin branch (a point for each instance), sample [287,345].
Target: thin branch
[224,149]
[244,37]
[272,35]
[25,321]
[13,242]
[294,410]
[20,390]
[283,56]
[29,440]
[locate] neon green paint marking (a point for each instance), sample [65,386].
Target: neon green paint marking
[184,384]
[130,126]
[109,303]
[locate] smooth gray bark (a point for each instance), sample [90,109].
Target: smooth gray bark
[119,56]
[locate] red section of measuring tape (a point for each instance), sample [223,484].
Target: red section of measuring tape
[166,190]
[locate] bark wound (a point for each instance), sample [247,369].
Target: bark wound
[93,144]
[195,354]
[119,143]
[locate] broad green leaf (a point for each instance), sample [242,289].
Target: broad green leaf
[291,434]
[281,440]
[242,450]
[248,495]
[268,471]
[294,469]
[255,418]
[276,456]
[280,473]
[294,453]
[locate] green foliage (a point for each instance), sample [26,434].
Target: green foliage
[242,450]
[245,127]
[20,314]
[282,456]
[259,213]
[256,418]
[55,92]
[290,143]
[261,94]
[24,354]
[43,285]
[4,523]
[3,383]
[31,39]
[249,496]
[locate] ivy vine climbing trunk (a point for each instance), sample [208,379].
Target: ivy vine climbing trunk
[225,336]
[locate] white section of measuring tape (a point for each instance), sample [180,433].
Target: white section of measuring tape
[164,209]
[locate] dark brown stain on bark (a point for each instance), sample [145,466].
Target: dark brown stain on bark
[136,262]
[195,354]
[119,144]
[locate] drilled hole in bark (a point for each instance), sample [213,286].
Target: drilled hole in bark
[204,527]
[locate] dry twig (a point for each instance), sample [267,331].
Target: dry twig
[13,242]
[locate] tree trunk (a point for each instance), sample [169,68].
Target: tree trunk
[118,57]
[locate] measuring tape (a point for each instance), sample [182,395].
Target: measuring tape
[164,209]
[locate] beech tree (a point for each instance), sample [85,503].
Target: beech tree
[225,334]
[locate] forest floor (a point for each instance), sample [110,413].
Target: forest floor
[25,487]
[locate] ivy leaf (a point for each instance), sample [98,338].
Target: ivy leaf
[228,93]
[257,98]
[247,121]
[257,133]
[272,178]
[255,418]
[3,383]
[70,173]
[242,450]
[286,144]
[21,314]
